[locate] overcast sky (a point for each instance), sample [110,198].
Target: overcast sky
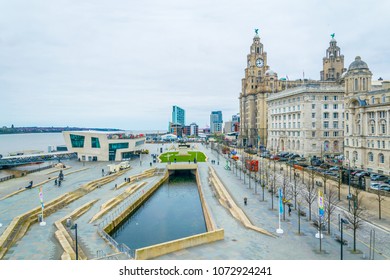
[124,63]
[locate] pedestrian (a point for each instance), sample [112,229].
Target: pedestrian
[289,209]
[150,164]
[55,182]
[245,201]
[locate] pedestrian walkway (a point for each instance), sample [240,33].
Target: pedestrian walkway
[239,243]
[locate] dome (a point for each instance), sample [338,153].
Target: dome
[269,73]
[358,64]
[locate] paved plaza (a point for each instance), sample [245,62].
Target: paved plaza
[39,243]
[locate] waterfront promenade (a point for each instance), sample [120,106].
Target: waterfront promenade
[239,243]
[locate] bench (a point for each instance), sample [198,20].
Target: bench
[338,239]
[315,223]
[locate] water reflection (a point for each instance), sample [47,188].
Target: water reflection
[174,211]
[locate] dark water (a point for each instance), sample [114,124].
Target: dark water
[174,211]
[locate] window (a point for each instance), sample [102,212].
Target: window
[138,143]
[313,134]
[326,106]
[347,129]
[370,157]
[313,124]
[326,115]
[383,127]
[77,140]
[372,127]
[115,146]
[383,145]
[335,133]
[347,116]
[335,97]
[335,115]
[382,114]
[326,124]
[336,124]
[326,133]
[313,106]
[95,142]
[313,115]
[381,158]
[326,97]
[335,106]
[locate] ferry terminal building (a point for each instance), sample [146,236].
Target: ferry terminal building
[104,146]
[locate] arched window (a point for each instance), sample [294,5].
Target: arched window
[336,146]
[370,157]
[383,127]
[383,98]
[381,158]
[372,127]
[326,146]
[355,156]
[298,145]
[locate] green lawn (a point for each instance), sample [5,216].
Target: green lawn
[201,157]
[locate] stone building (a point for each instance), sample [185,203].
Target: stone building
[367,119]
[307,120]
[259,82]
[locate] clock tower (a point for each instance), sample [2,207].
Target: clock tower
[256,85]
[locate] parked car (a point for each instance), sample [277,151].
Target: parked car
[354,172]
[374,186]
[363,173]
[301,159]
[283,159]
[384,187]
[378,177]
[331,173]
[274,157]
[334,168]
[311,167]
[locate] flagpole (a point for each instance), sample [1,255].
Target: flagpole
[42,223]
[280,230]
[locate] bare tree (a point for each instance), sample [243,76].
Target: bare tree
[330,203]
[287,193]
[379,198]
[324,181]
[309,193]
[355,217]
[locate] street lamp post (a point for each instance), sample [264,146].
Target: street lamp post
[75,232]
[349,185]
[342,221]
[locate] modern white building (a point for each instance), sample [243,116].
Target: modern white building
[104,146]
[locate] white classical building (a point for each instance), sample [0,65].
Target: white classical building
[367,119]
[103,146]
[307,120]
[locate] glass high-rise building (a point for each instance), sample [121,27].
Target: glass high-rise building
[178,115]
[216,122]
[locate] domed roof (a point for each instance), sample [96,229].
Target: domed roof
[358,64]
[269,73]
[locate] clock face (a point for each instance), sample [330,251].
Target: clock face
[259,62]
